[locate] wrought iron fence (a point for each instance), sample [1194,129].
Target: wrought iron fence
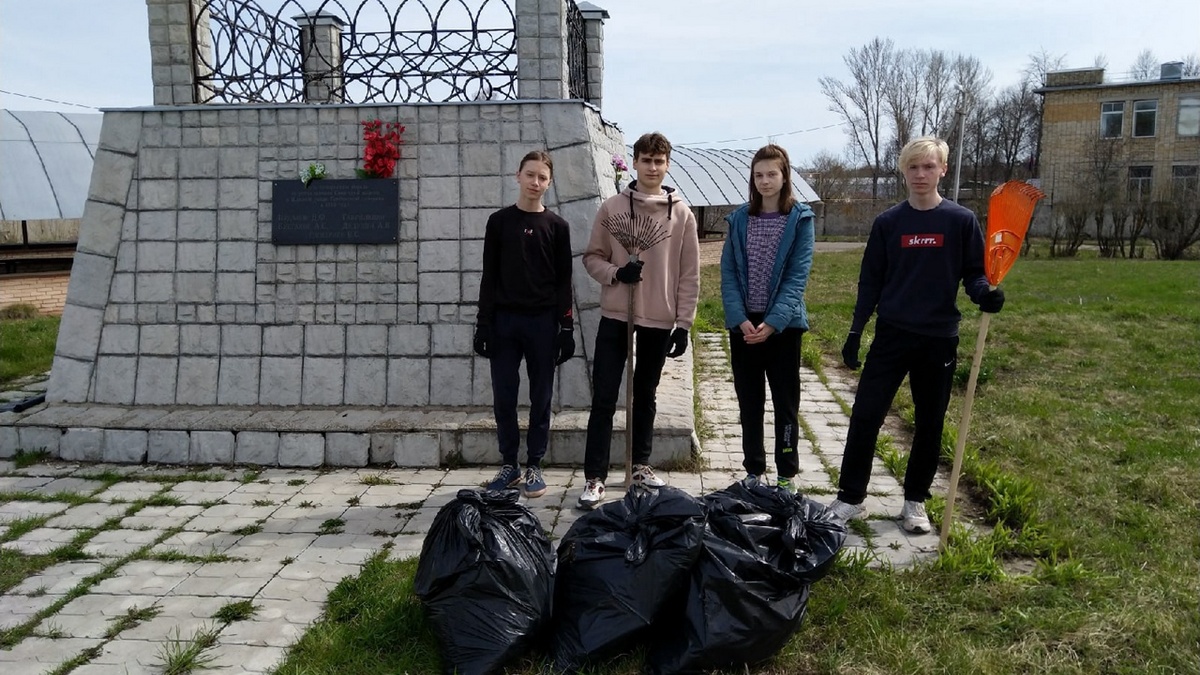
[376,51]
[577,54]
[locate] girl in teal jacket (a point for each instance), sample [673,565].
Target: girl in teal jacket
[764,270]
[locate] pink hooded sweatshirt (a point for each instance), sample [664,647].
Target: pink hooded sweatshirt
[670,287]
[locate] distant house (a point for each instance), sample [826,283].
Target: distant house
[1125,141]
[44,179]
[715,181]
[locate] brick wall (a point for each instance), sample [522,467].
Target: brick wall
[178,296]
[47,292]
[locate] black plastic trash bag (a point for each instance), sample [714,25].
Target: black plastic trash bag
[748,592]
[485,578]
[616,567]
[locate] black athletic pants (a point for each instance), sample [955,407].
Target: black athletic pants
[929,363]
[531,337]
[777,361]
[608,369]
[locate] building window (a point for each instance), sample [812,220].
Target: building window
[1112,117]
[1140,182]
[1189,116]
[1144,114]
[1185,181]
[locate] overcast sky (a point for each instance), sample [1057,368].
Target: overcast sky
[718,73]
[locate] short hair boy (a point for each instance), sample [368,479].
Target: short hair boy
[665,281]
[917,254]
[525,313]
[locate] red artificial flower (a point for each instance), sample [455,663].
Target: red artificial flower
[382,148]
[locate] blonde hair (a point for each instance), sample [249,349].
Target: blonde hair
[924,146]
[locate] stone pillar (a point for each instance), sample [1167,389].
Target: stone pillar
[542,49]
[593,20]
[321,56]
[176,60]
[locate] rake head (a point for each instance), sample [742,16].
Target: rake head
[635,233]
[1009,211]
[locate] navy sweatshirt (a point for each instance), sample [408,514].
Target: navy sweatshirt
[913,264]
[526,265]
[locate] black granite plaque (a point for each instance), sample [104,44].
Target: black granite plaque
[331,211]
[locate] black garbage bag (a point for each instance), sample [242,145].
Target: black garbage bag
[616,568]
[748,591]
[485,578]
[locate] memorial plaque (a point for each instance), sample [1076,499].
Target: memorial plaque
[332,211]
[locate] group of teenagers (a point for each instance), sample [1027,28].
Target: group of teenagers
[917,254]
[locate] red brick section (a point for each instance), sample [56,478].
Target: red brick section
[47,292]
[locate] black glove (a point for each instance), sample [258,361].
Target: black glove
[992,301]
[679,343]
[631,273]
[483,341]
[565,342]
[850,350]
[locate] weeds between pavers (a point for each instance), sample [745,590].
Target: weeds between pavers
[178,656]
[236,611]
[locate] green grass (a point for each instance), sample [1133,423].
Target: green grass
[25,459]
[179,656]
[236,611]
[1083,446]
[26,346]
[1083,457]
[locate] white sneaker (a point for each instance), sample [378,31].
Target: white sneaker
[644,475]
[593,494]
[913,518]
[846,512]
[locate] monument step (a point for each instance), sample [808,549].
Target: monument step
[307,436]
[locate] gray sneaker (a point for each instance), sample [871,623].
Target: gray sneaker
[914,519]
[846,512]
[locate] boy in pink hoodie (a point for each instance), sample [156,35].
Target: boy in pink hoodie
[666,288]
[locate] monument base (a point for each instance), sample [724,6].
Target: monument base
[323,436]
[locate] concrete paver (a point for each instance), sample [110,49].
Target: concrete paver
[291,535]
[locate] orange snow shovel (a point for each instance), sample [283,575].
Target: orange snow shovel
[1009,211]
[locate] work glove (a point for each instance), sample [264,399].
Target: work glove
[483,341]
[631,273]
[850,350]
[992,301]
[565,343]
[679,343]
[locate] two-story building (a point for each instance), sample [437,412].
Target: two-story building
[1120,141]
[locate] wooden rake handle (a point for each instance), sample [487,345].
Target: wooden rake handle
[964,425]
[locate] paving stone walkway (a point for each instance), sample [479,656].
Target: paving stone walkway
[283,538]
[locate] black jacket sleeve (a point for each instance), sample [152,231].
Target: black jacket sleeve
[870,278]
[562,274]
[489,280]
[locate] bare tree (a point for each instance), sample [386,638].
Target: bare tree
[1101,61]
[904,92]
[860,102]
[1145,66]
[1191,65]
[1012,125]
[939,92]
[1041,63]
[829,177]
